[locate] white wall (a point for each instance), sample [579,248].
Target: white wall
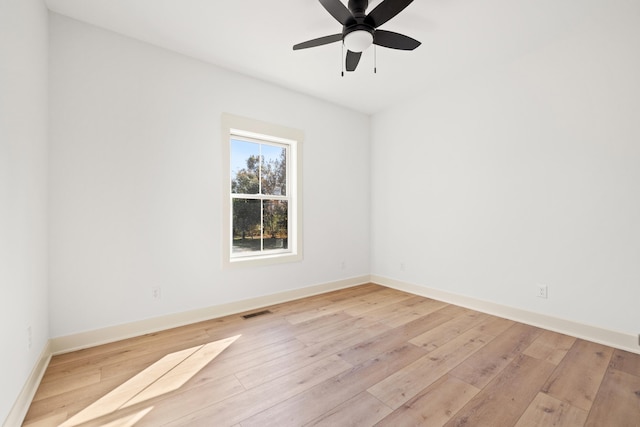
[136,182]
[522,174]
[23,196]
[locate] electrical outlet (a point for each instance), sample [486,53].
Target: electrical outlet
[402,266]
[29,337]
[343,265]
[156,292]
[542,291]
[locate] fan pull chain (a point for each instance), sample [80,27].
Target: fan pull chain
[375,60]
[342,60]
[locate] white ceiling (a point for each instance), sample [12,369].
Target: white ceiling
[255,38]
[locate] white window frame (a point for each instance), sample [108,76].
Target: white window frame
[243,128]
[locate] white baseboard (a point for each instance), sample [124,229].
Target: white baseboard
[607,337]
[22,403]
[114,333]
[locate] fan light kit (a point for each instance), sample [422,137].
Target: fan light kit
[358,41]
[360,30]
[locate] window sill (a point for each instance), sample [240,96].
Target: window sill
[262,260]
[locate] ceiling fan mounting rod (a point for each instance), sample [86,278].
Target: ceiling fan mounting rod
[358,8]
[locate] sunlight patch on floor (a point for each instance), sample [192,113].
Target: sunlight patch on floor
[129,420]
[164,376]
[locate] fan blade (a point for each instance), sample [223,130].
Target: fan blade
[385,11]
[318,42]
[352,60]
[339,11]
[394,40]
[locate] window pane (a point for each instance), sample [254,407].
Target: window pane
[245,163]
[274,170]
[275,214]
[246,225]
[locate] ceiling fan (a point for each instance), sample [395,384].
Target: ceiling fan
[360,30]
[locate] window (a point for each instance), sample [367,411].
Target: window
[261,219]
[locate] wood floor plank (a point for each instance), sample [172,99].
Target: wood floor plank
[495,326]
[382,299]
[350,293]
[550,346]
[124,420]
[367,300]
[139,361]
[436,337]
[503,401]
[72,401]
[231,363]
[274,368]
[361,410]
[332,330]
[191,400]
[120,352]
[175,404]
[312,403]
[549,411]
[626,362]
[64,384]
[406,383]
[578,376]
[125,345]
[433,406]
[479,369]
[307,326]
[408,310]
[395,337]
[166,341]
[52,420]
[237,408]
[255,333]
[127,391]
[189,335]
[182,373]
[310,303]
[617,402]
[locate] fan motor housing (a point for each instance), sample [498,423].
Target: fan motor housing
[358,27]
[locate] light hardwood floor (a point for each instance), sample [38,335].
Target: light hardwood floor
[363,356]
